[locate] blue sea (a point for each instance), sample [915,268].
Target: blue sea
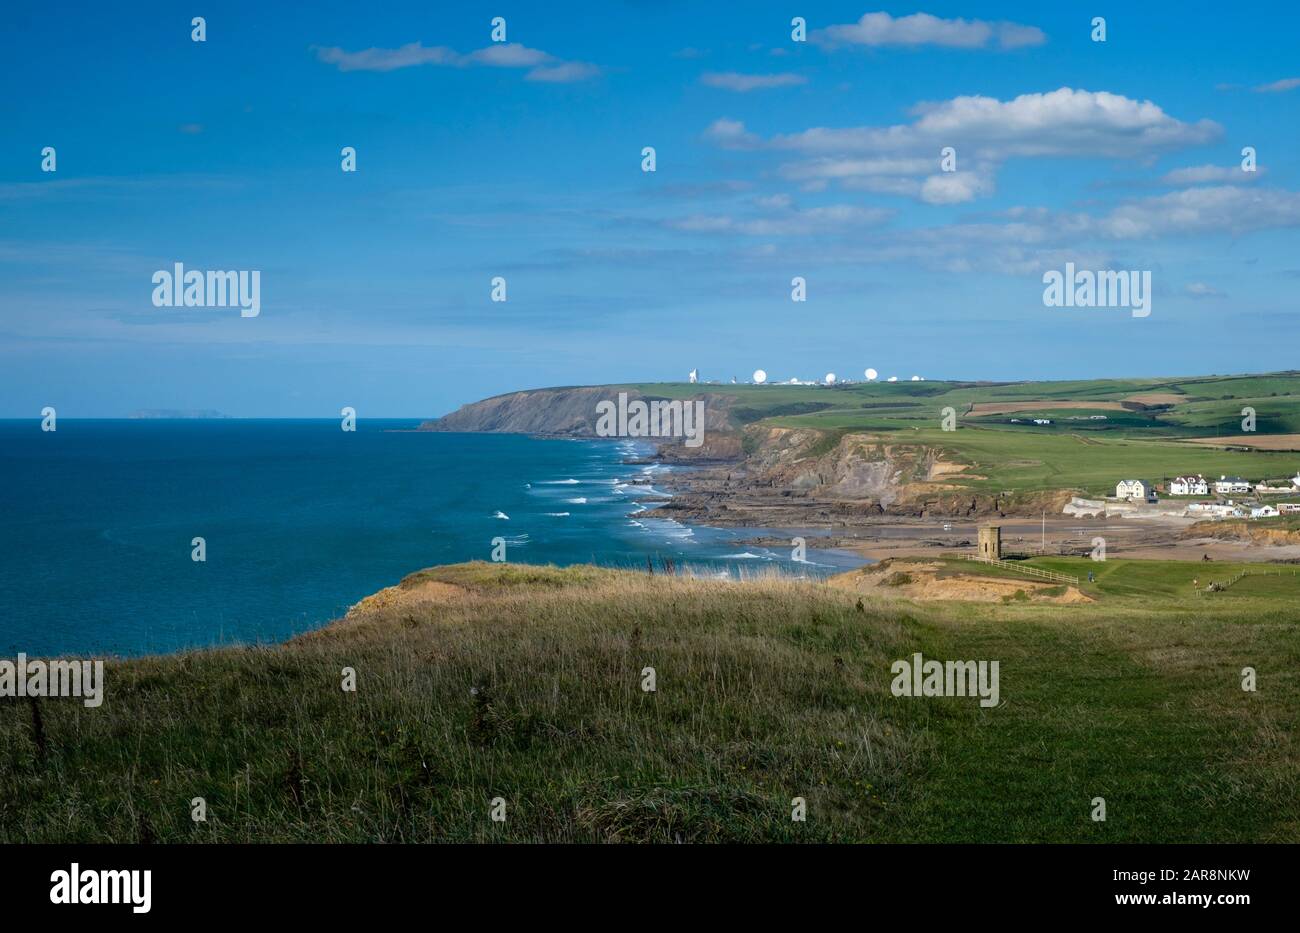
[301,520]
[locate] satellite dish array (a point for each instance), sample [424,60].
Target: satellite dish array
[760,377]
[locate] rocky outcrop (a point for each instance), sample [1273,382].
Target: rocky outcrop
[572,412]
[1262,534]
[775,475]
[875,473]
[567,412]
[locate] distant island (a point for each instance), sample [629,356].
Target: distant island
[173,413]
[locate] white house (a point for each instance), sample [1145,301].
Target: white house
[1264,511]
[1189,486]
[1288,508]
[1042,421]
[1134,489]
[1295,480]
[1231,484]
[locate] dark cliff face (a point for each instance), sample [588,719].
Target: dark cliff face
[572,412]
[567,412]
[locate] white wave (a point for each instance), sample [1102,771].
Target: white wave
[501,515]
[670,528]
[581,500]
[557,514]
[559,482]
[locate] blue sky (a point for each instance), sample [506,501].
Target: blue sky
[522,159]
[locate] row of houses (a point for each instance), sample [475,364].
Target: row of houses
[1198,485]
[1234,510]
[1139,490]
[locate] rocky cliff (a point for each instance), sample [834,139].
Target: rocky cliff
[876,473]
[1269,532]
[572,412]
[764,474]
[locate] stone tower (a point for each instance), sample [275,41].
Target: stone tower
[991,542]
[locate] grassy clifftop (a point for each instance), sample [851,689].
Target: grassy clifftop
[1101,430]
[525,683]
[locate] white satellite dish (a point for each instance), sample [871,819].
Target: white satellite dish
[760,377]
[892,379]
[830,379]
[917,379]
[871,374]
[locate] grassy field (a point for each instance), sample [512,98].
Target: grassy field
[481,681]
[1146,439]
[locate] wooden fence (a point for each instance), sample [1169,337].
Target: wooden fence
[1022,568]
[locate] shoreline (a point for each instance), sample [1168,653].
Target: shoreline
[703,499]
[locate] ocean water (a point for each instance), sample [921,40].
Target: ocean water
[300,520]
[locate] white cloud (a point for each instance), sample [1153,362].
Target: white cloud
[507,55]
[915,178]
[731,134]
[407,56]
[1210,174]
[1201,290]
[785,222]
[841,168]
[984,131]
[876,184]
[1190,212]
[1222,209]
[881,29]
[563,73]
[954,188]
[775,201]
[1064,122]
[542,65]
[732,81]
[1026,240]
[1286,84]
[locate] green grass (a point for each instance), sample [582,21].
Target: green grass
[1026,461]
[1136,698]
[525,683]
[1090,456]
